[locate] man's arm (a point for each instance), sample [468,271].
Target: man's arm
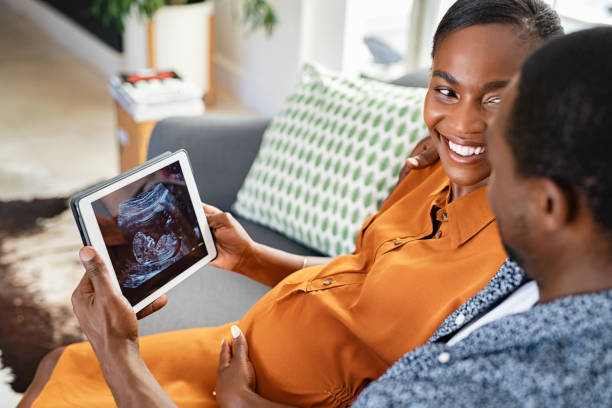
[130,380]
[110,324]
[423,155]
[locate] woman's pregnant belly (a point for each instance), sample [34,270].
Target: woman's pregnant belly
[303,347]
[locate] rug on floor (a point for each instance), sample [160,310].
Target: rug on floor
[39,269]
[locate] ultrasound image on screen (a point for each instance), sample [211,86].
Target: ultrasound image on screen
[150,231]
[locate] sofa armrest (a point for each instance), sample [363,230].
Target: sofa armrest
[221,150]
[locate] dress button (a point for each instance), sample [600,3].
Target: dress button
[327,282]
[438,235]
[444,216]
[397,242]
[444,357]
[460,319]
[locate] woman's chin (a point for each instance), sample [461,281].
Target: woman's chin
[472,176]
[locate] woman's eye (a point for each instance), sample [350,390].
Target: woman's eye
[447,92]
[494,101]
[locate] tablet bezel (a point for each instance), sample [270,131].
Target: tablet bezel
[94,234]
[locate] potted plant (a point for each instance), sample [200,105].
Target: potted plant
[257,13]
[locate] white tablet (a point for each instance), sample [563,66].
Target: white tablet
[148,225]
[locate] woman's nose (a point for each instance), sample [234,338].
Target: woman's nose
[468,118]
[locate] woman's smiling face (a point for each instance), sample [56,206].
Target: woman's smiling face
[470,69]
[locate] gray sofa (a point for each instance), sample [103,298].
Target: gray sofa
[221,150]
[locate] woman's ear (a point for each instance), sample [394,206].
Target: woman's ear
[551,205]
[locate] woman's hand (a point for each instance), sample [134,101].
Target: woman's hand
[423,155]
[232,241]
[236,377]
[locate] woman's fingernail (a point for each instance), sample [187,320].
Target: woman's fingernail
[222,342]
[235,331]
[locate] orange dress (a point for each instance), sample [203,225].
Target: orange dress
[323,333]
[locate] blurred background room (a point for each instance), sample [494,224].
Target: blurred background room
[77,106]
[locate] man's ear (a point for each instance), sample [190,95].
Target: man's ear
[550,204]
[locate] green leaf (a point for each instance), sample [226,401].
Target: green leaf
[389,125]
[347,168]
[401,129]
[371,158]
[359,153]
[363,134]
[374,139]
[326,184]
[366,117]
[399,150]
[377,121]
[355,217]
[384,164]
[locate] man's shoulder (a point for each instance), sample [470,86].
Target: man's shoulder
[554,354]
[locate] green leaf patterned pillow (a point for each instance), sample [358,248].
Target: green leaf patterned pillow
[331,157]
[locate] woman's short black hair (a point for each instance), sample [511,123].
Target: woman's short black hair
[560,126]
[536,19]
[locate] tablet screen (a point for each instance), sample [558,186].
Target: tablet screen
[150,230]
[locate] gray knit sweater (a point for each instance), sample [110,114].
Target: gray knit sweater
[558,354]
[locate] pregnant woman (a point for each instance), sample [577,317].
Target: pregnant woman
[323,332]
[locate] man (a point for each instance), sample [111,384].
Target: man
[550,188]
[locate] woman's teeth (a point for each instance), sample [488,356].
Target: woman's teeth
[465,150]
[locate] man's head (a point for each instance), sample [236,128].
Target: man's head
[550,149]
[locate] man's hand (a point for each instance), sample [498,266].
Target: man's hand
[423,155]
[105,315]
[110,324]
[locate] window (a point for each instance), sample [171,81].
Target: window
[396,35]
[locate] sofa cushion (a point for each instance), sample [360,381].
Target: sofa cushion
[330,158]
[275,239]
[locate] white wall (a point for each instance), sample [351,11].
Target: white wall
[262,71]
[259,70]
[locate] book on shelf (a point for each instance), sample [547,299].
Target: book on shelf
[155,94]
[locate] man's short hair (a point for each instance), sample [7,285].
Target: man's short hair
[561,122]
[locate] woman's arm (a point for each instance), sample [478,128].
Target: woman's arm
[270,265]
[236,251]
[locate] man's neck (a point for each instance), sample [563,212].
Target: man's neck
[572,275]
